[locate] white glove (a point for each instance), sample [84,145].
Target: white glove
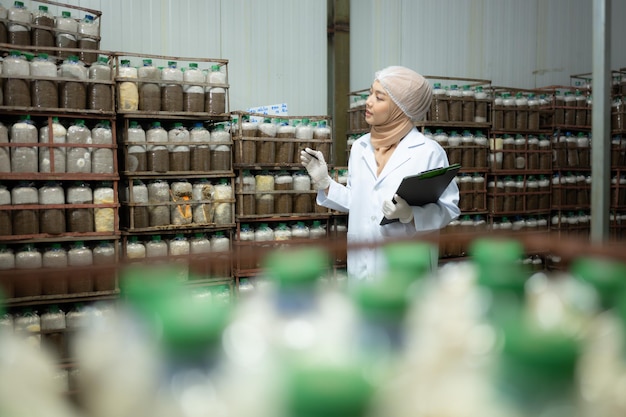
[316,166]
[400,210]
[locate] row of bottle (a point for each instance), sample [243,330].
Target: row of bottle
[454,104]
[46,150]
[192,89]
[523,152]
[21,26]
[266,193]
[572,150]
[179,203]
[281,141]
[518,194]
[178,149]
[37,219]
[468,149]
[78,87]
[356,113]
[472,191]
[199,256]
[75,268]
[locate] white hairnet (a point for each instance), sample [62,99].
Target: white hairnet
[410,91]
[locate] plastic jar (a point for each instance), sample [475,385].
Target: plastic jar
[533,113]
[246,154]
[282,232]
[41,36]
[104,255]
[179,246]
[510,190]
[67,37]
[569,112]
[572,150]
[482,107]
[533,153]
[220,149]
[509,111]
[5,154]
[16,91]
[135,249]
[317,231]
[302,202]
[283,202]
[149,88]
[300,231]
[139,215]
[136,157]
[59,136]
[4,14]
[520,152]
[19,24]
[156,247]
[520,188]
[54,282]
[571,193]
[304,133]
[80,255]
[455,104]
[495,196]
[478,187]
[79,158]
[193,91]
[222,197]
[24,158]
[215,96]
[102,158]
[104,218]
[584,150]
[544,193]
[466,187]
[220,246]
[178,145]
[181,193]
[521,115]
[558,193]
[508,152]
[6,226]
[323,132]
[266,149]
[532,194]
[498,112]
[172,94]
[582,190]
[200,154]
[247,187]
[128,93]
[481,150]
[285,150]
[157,153]
[264,187]
[468,104]
[545,154]
[439,104]
[28,257]
[7,262]
[88,33]
[52,221]
[73,94]
[79,220]
[100,96]
[202,195]
[44,93]
[559,111]
[159,196]
[199,244]
[441,138]
[26,221]
[468,149]
[455,151]
[246,256]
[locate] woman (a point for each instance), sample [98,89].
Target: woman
[378,162]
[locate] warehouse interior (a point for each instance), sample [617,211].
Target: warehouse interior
[182,227]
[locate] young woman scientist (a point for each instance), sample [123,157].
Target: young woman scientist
[378,162]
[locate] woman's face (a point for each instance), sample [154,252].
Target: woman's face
[378,105]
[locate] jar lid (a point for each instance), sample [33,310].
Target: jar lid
[66,14]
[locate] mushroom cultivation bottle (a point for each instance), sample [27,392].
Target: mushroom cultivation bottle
[193,90]
[104,217]
[52,220]
[25,221]
[140,217]
[20,19]
[5,154]
[266,149]
[128,93]
[6,226]
[80,219]
[67,28]
[200,153]
[43,35]
[136,157]
[73,94]
[16,91]
[44,93]
[24,158]
[79,157]
[178,144]
[88,32]
[172,93]
[157,153]
[80,255]
[159,197]
[220,149]
[149,88]
[215,96]
[102,158]
[99,95]
[4,14]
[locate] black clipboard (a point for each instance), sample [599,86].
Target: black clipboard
[425,187]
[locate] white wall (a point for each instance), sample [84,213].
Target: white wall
[513,43]
[277,48]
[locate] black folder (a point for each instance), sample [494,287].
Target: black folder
[425,187]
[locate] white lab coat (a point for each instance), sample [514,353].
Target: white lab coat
[364,194]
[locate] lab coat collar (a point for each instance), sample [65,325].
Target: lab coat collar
[403,153]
